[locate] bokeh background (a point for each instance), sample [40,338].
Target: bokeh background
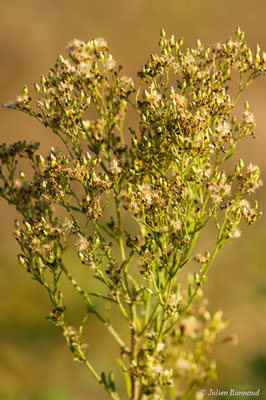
[34,361]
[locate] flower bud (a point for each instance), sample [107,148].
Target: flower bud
[198,44]
[238,31]
[88,156]
[41,159]
[183,85]
[162,34]
[21,260]
[60,59]
[37,87]
[241,163]
[16,224]
[28,227]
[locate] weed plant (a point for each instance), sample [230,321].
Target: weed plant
[150,199]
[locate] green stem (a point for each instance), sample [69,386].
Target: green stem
[134,352]
[119,230]
[88,301]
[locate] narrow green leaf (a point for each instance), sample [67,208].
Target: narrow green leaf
[101,296]
[126,376]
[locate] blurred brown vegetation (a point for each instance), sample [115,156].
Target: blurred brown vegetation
[34,361]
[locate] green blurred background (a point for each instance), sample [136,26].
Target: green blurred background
[34,361]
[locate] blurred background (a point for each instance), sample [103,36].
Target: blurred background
[34,361]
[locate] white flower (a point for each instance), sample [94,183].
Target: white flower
[126,82]
[248,117]
[82,244]
[67,224]
[235,233]
[146,193]
[99,43]
[176,224]
[223,128]
[109,63]
[252,168]
[114,168]
[200,258]
[17,184]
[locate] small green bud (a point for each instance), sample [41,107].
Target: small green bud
[190,279]
[198,44]
[43,80]
[88,156]
[197,278]
[143,118]
[37,87]
[22,175]
[28,227]
[41,159]
[21,260]
[134,142]
[38,261]
[238,213]
[161,43]
[176,46]
[101,56]
[53,160]
[16,224]
[44,223]
[162,34]
[238,31]
[183,85]
[25,90]
[60,59]
[241,164]
[172,40]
